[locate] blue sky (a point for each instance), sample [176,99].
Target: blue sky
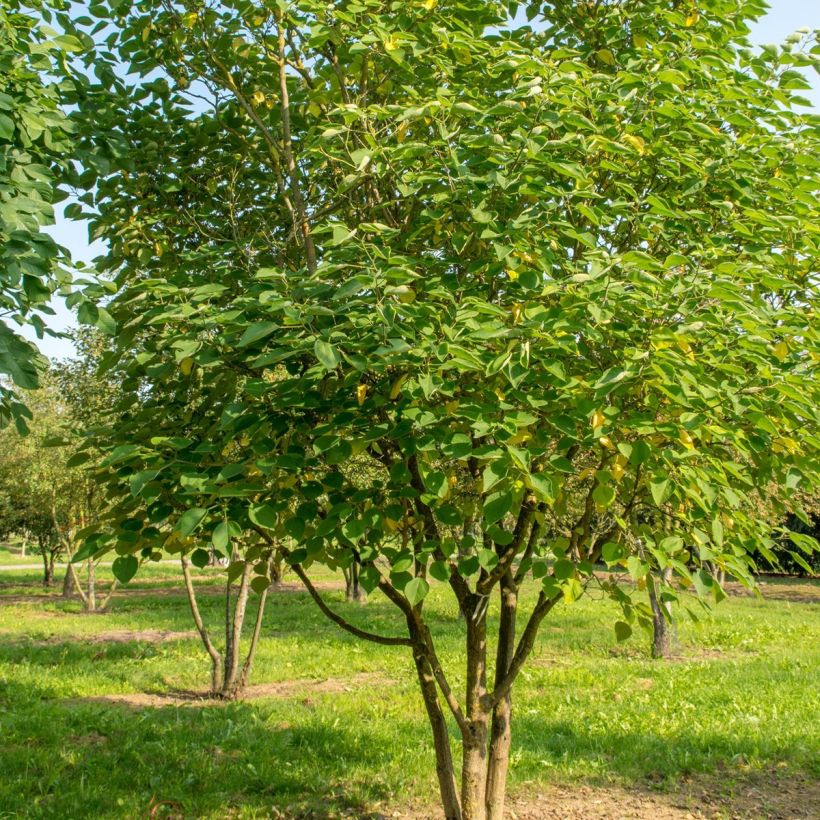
[784,17]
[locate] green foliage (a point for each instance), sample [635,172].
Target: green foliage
[457,299]
[554,281]
[35,136]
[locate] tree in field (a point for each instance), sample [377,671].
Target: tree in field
[42,491]
[555,287]
[37,491]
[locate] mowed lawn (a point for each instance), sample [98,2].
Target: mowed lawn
[87,727]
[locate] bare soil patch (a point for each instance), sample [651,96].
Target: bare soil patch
[770,795]
[798,591]
[300,689]
[114,636]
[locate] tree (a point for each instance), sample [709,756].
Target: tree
[37,491]
[35,136]
[555,286]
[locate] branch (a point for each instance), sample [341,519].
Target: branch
[506,558]
[200,625]
[337,619]
[425,640]
[290,162]
[326,610]
[524,648]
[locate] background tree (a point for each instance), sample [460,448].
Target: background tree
[555,287]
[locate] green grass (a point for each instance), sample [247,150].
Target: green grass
[586,709]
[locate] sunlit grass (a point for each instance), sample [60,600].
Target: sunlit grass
[743,698]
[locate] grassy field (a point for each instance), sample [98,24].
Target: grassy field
[335,727]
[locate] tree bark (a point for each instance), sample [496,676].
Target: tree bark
[216,658]
[353,589]
[441,737]
[244,676]
[48,566]
[500,731]
[91,595]
[474,739]
[663,630]
[234,632]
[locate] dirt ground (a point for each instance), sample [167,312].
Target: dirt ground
[301,689]
[762,796]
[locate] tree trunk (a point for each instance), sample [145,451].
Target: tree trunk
[233,632]
[216,658]
[663,630]
[474,739]
[474,770]
[441,737]
[48,566]
[24,543]
[69,579]
[353,590]
[91,594]
[501,732]
[244,676]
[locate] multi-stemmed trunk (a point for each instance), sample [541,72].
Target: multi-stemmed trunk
[229,673]
[353,589]
[485,723]
[49,557]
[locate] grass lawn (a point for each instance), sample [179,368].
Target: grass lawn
[344,733]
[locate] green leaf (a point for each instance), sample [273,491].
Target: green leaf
[603,496]
[77,459]
[622,631]
[612,552]
[260,583]
[221,536]
[415,590]
[200,558]
[255,332]
[125,568]
[190,520]
[439,570]
[497,506]
[263,515]
[660,487]
[327,354]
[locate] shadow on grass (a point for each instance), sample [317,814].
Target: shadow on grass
[96,760]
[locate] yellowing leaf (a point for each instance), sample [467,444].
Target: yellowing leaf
[361,394]
[686,440]
[257,98]
[692,18]
[429,4]
[606,441]
[781,351]
[605,56]
[189,19]
[636,142]
[598,419]
[395,390]
[512,274]
[186,366]
[617,472]
[516,311]
[391,44]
